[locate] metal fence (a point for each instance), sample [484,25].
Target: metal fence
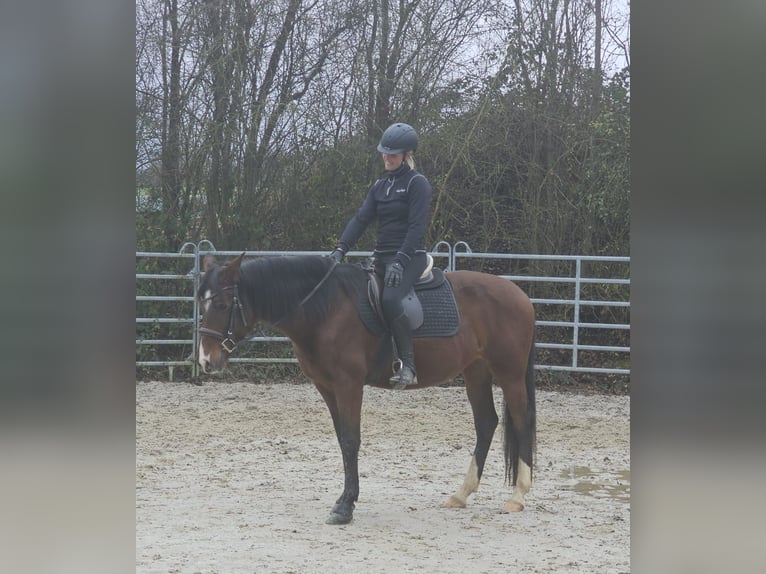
[582,304]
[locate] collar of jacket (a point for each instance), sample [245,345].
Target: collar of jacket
[401,170]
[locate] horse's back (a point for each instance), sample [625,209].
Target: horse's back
[490,291]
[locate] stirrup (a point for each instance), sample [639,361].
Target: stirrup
[396,381]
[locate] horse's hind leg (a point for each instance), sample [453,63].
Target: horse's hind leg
[519,415]
[478,385]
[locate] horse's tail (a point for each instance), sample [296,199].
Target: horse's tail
[522,444]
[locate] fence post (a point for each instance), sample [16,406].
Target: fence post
[194,272]
[576,332]
[435,249]
[455,252]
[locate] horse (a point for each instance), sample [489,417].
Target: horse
[314,301]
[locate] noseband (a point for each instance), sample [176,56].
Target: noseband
[227,342]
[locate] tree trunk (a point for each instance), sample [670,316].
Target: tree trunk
[597,63]
[171,146]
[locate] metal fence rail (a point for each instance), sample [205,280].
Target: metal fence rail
[577,280]
[168,295]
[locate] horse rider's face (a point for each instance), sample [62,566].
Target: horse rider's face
[392,162]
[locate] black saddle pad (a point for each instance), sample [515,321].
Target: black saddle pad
[440,313]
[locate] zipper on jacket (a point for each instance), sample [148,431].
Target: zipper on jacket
[390,185]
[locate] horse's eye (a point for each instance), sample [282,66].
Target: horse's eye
[219,305]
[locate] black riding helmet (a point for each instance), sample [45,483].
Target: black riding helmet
[398,138]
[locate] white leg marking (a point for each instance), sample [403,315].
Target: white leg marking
[523,484]
[470,485]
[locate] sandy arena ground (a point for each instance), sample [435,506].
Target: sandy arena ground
[239,478]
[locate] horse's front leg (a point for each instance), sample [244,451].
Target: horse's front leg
[343,510]
[345,408]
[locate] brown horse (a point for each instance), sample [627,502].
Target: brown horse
[314,301]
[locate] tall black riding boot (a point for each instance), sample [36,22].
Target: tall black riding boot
[405,374]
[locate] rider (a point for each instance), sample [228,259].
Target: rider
[400,202]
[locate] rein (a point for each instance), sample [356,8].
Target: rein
[311,293]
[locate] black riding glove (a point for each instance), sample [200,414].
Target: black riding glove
[394,273]
[338,255]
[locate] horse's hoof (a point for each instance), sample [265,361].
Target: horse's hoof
[454,502]
[338,518]
[513,506]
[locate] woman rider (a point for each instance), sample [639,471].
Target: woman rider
[400,203]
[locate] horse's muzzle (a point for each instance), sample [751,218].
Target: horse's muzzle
[206,366]
[211,363]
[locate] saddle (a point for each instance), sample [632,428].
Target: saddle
[430,305]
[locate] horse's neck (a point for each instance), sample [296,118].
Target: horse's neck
[289,320]
[297,329]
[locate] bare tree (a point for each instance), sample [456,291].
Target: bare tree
[253,116]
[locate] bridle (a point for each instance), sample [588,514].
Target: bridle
[230,344]
[227,342]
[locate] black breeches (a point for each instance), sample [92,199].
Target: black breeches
[392,296]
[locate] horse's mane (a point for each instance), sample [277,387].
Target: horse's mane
[274,287]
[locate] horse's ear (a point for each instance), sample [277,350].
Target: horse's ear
[230,273]
[208,263]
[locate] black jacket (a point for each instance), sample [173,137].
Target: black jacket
[401,203]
